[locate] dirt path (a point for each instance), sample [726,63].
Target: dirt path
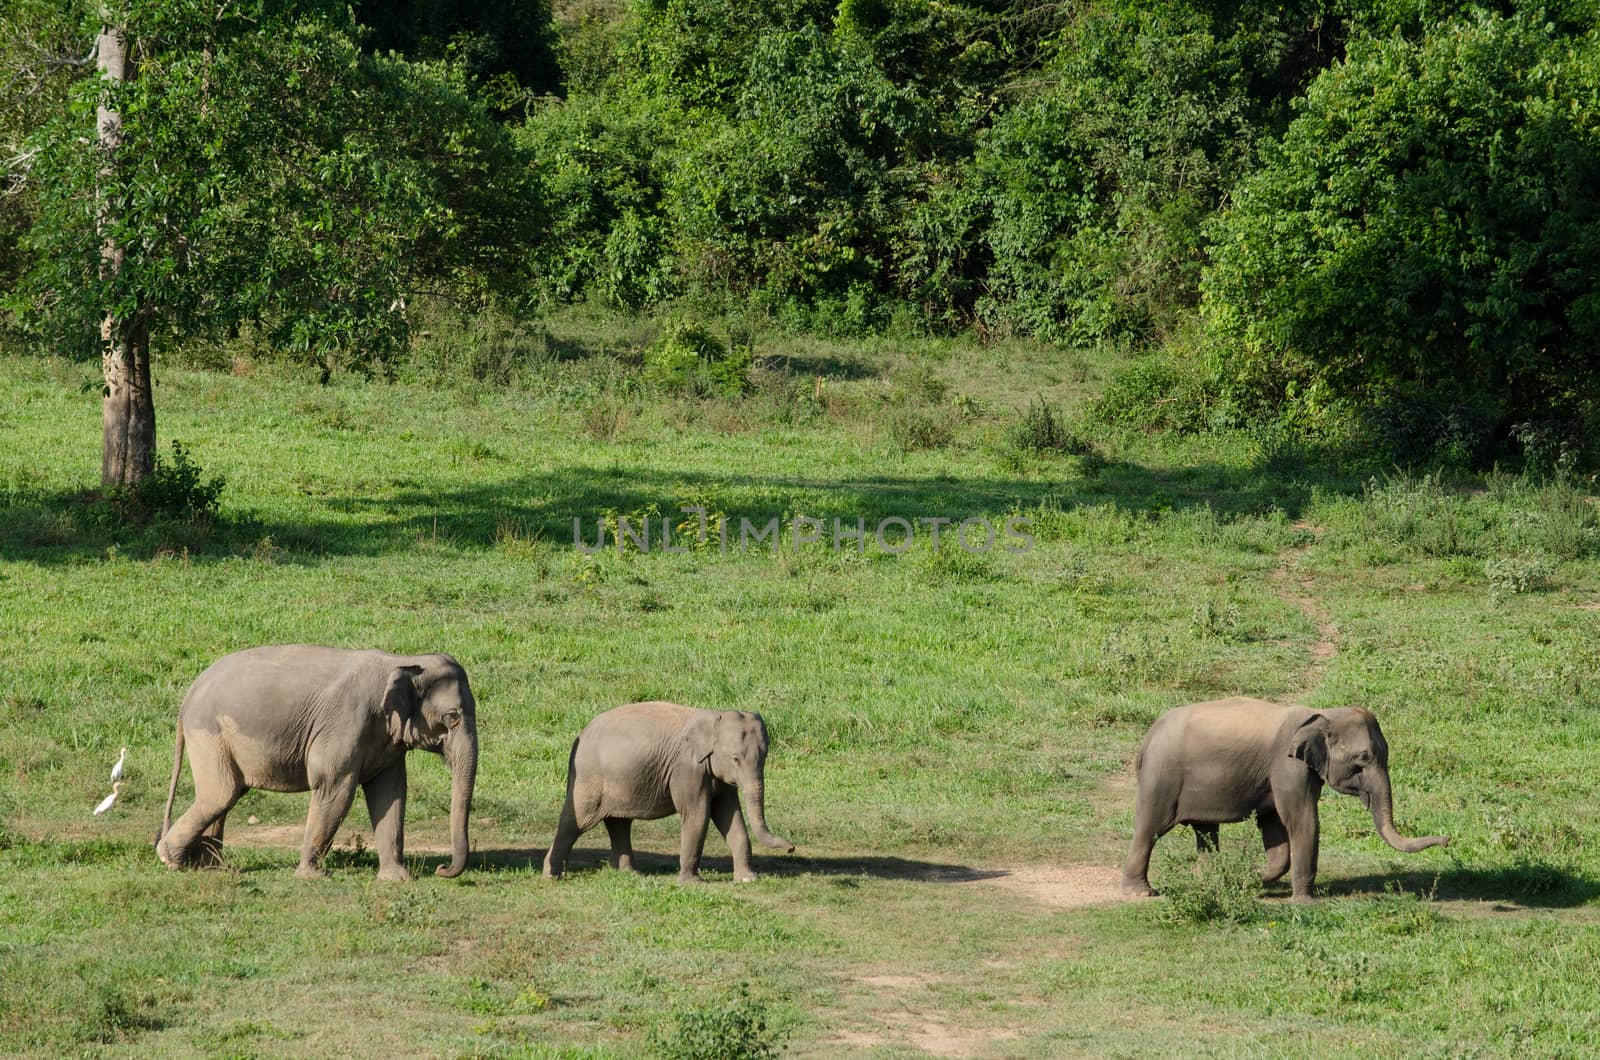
[1297,588]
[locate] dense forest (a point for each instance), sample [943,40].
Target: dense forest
[1375,223]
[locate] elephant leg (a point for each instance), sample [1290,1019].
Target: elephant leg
[726,815]
[1205,838]
[692,840]
[1275,838]
[1298,813]
[1151,821]
[567,833]
[620,829]
[329,804]
[386,805]
[217,786]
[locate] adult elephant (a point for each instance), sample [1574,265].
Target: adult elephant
[1210,763]
[645,761]
[296,717]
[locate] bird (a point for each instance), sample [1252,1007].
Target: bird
[110,800]
[116,770]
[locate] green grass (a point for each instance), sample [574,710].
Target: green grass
[936,717]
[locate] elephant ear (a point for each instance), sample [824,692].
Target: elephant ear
[400,698]
[1310,744]
[701,735]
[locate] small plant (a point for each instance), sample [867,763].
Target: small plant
[688,357]
[1519,574]
[174,491]
[734,1028]
[1042,430]
[915,427]
[1223,887]
[606,418]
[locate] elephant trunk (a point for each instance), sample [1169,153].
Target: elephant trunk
[464,771]
[1380,800]
[755,795]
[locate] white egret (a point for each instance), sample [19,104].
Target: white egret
[110,800]
[116,770]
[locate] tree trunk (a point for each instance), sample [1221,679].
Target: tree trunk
[128,411]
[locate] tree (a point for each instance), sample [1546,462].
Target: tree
[128,409]
[261,171]
[1427,233]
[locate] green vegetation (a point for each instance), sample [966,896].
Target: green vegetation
[952,732]
[1369,225]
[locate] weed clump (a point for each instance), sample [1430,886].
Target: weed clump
[734,1028]
[690,358]
[1043,430]
[1223,887]
[173,492]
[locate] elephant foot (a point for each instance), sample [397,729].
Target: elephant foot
[745,877]
[626,865]
[394,873]
[311,872]
[165,854]
[1138,888]
[1304,899]
[690,878]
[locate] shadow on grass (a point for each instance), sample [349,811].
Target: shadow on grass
[583,862]
[52,529]
[1531,886]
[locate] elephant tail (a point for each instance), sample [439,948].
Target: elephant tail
[572,766]
[172,787]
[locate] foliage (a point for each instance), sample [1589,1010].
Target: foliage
[271,172]
[1101,181]
[505,47]
[1222,887]
[730,1028]
[1042,429]
[690,357]
[174,491]
[1427,226]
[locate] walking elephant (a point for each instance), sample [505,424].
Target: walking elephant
[326,720]
[1210,763]
[645,761]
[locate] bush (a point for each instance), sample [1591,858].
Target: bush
[1519,574]
[1159,392]
[1042,430]
[734,1028]
[689,357]
[1425,227]
[1222,887]
[174,491]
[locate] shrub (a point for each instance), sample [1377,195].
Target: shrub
[1224,886]
[1425,226]
[174,491]
[1518,574]
[690,357]
[1043,430]
[733,1028]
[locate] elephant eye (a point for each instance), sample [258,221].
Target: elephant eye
[453,718]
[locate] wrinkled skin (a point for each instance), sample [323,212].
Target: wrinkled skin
[326,720]
[1211,763]
[650,760]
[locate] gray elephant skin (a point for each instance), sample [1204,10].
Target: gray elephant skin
[297,717]
[645,761]
[1211,763]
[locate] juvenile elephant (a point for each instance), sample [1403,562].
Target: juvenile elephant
[1210,763]
[645,761]
[301,718]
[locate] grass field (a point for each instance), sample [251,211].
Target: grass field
[952,733]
